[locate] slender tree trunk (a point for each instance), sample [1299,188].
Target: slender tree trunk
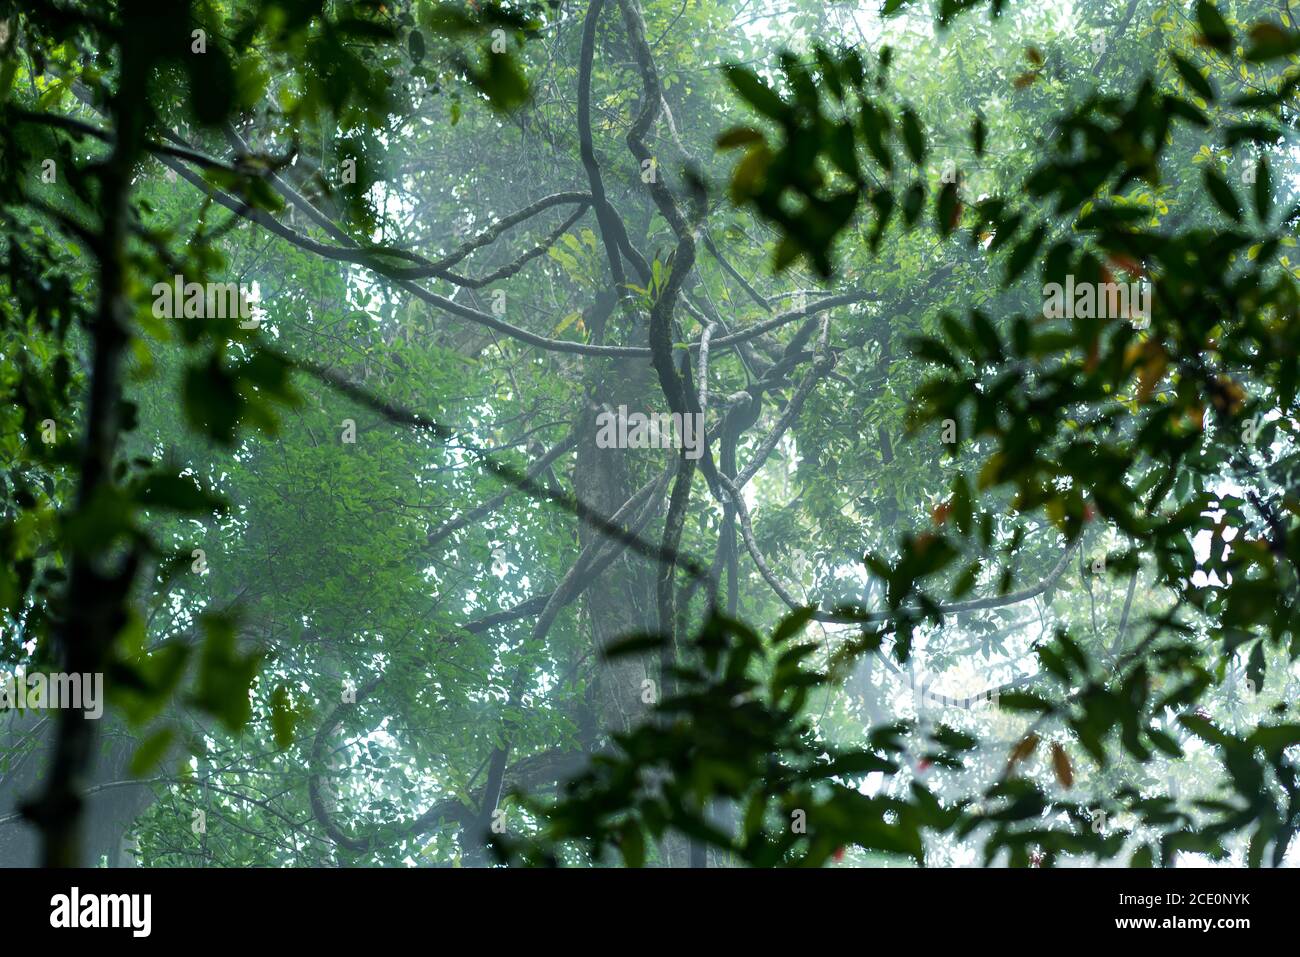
[94,605]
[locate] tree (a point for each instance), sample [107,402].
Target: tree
[396,625]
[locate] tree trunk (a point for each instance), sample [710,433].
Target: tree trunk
[623,601]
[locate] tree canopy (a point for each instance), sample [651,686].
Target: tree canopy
[314,316]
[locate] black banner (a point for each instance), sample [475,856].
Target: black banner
[139,907]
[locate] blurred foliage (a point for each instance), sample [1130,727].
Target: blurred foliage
[138,72]
[1135,423]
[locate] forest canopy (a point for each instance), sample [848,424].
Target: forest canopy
[692,433]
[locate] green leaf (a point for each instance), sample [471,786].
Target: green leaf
[1023,254]
[502,81]
[633,645]
[755,91]
[212,404]
[1023,701]
[978,136]
[284,717]
[913,200]
[947,209]
[1263,189]
[224,674]
[567,321]
[792,624]
[178,493]
[415,45]
[913,138]
[1214,29]
[1222,194]
[855,763]
[1204,729]
[1192,77]
[1270,42]
[151,751]
[738,136]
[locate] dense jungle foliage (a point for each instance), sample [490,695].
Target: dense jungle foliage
[312,312]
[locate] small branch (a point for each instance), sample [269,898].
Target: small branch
[704,367]
[487,508]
